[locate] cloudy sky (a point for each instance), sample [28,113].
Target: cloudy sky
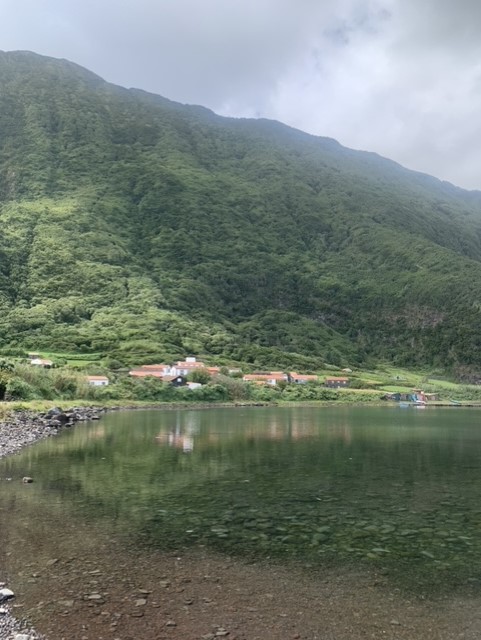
[399,77]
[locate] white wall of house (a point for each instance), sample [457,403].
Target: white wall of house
[98,383]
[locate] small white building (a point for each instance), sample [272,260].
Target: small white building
[98,381]
[194,385]
[41,362]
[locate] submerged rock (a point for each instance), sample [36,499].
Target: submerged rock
[6,594]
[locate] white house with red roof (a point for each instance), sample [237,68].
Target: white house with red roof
[152,370]
[301,378]
[183,368]
[271,378]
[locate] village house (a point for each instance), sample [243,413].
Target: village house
[98,381]
[41,362]
[213,371]
[299,378]
[152,370]
[164,371]
[185,367]
[145,373]
[336,383]
[165,368]
[175,381]
[271,378]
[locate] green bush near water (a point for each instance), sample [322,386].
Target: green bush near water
[25,382]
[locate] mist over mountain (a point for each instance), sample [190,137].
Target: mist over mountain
[148,229]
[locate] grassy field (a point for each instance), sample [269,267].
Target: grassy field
[75,360]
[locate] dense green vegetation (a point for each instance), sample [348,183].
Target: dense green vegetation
[146,230]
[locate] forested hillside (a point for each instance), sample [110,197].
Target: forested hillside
[146,229]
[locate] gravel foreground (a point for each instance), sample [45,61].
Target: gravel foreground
[106,591]
[21,429]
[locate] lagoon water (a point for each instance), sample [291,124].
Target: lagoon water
[394,489]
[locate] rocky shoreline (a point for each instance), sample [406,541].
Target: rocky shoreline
[20,429]
[23,428]
[10,627]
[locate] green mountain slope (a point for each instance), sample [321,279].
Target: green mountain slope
[144,228]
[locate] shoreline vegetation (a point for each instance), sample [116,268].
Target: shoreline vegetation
[67,381]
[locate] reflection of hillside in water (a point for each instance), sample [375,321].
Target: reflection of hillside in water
[352,484]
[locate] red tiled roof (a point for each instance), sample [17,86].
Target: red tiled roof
[154,366]
[300,376]
[144,373]
[190,365]
[275,375]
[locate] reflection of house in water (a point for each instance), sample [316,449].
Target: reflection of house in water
[290,428]
[189,429]
[176,439]
[182,435]
[181,441]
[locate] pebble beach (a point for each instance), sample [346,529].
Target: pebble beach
[20,429]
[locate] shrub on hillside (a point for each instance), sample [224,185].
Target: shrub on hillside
[147,389]
[208,393]
[18,389]
[65,383]
[264,393]
[38,379]
[236,389]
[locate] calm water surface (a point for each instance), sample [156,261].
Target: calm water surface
[392,488]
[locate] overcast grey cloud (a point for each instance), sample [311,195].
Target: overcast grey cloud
[399,77]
